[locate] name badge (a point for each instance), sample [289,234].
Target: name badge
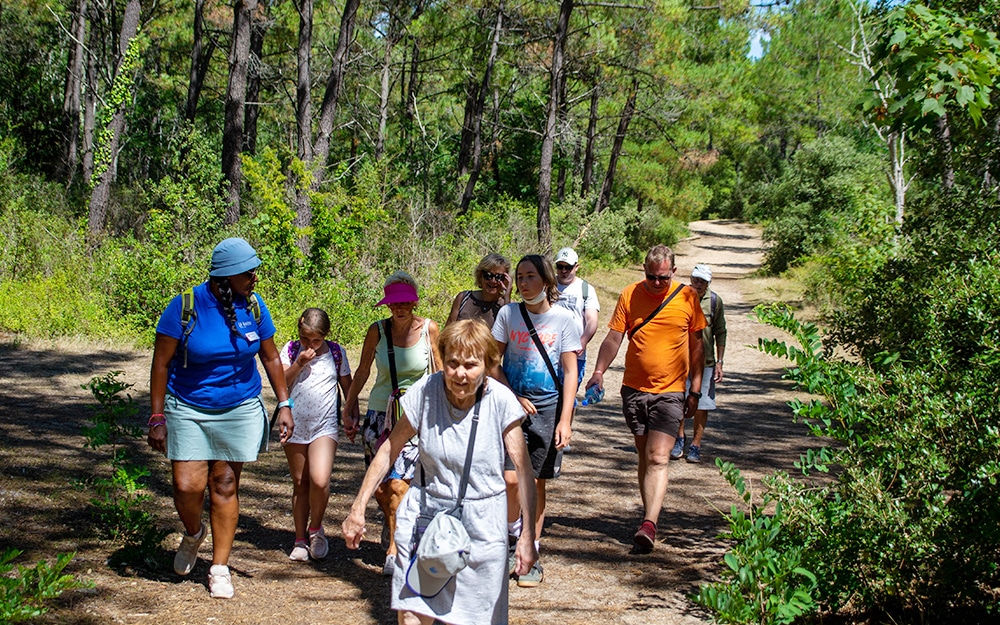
[252,336]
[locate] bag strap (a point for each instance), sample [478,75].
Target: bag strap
[538,344]
[655,312]
[188,317]
[463,485]
[387,323]
[585,287]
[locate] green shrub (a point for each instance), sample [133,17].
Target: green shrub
[121,501]
[23,594]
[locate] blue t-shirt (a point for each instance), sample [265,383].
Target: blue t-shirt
[221,371]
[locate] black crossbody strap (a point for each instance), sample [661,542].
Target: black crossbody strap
[387,324]
[655,312]
[538,344]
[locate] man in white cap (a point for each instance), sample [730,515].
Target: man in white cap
[577,295]
[714,338]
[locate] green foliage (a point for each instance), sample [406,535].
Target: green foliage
[907,523]
[23,593]
[938,60]
[823,187]
[763,581]
[119,99]
[120,504]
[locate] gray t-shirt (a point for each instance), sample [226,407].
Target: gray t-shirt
[443,433]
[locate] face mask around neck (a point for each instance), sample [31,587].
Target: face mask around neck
[538,299]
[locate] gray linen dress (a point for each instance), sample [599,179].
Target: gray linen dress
[478,594]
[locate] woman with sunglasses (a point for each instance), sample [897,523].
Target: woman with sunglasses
[205,395]
[493,279]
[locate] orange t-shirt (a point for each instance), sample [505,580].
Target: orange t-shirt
[657,357]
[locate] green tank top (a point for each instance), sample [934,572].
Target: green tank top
[411,364]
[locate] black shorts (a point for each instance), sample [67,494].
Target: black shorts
[659,412]
[539,434]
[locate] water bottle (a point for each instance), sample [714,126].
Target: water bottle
[594,394]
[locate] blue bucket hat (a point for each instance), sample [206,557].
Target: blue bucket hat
[232,257]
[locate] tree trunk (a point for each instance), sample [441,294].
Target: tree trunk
[896,142]
[303,83]
[74,88]
[200,57]
[477,120]
[588,157]
[258,29]
[334,83]
[548,138]
[90,108]
[945,151]
[389,40]
[604,199]
[232,132]
[990,175]
[104,169]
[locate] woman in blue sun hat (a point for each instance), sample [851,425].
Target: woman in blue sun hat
[205,394]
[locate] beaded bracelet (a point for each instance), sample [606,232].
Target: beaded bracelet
[156,419]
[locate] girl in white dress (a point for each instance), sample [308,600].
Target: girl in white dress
[313,368]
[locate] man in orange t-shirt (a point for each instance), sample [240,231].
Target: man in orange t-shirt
[663,320]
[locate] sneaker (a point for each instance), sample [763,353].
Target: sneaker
[645,537]
[300,552]
[390,566]
[318,545]
[187,553]
[694,453]
[532,578]
[678,450]
[220,582]
[511,554]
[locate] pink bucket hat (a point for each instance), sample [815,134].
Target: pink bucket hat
[398,293]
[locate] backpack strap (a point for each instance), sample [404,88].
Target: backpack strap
[586,291]
[713,307]
[338,358]
[253,304]
[188,318]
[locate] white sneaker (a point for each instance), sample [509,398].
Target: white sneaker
[390,566]
[220,582]
[318,545]
[187,553]
[300,553]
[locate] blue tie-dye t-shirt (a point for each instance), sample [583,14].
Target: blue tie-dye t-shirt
[523,365]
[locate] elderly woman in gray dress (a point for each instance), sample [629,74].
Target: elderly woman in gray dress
[439,409]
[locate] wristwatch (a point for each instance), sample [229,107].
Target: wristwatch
[288,403]
[694,394]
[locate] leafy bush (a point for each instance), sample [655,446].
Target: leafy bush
[827,178]
[120,504]
[908,526]
[23,594]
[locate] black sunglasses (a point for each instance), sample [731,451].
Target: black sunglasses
[653,278]
[562,267]
[250,275]
[490,277]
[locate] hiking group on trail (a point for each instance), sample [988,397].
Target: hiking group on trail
[464,427]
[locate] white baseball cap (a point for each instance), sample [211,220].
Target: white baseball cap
[567,255]
[443,551]
[702,271]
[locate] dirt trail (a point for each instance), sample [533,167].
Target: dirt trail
[590,577]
